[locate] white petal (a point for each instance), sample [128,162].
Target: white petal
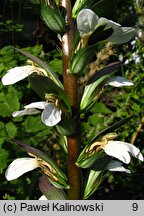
[51,115]
[122,151]
[20,166]
[120,34]
[25,112]
[118,81]
[116,166]
[16,74]
[107,23]
[86,22]
[43,197]
[38,105]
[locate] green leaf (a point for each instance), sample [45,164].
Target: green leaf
[43,85]
[56,64]
[11,129]
[9,103]
[33,124]
[3,159]
[63,142]
[3,133]
[95,119]
[42,64]
[101,108]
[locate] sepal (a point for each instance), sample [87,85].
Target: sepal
[43,65]
[44,85]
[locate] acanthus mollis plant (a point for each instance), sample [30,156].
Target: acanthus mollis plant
[62,105]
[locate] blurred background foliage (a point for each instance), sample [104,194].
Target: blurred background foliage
[21,26]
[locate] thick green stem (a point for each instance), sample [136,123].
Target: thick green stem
[71,90]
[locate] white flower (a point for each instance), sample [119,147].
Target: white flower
[116,166]
[51,114]
[20,166]
[127,61]
[121,57]
[136,58]
[19,73]
[118,81]
[122,151]
[140,34]
[86,22]
[43,197]
[133,42]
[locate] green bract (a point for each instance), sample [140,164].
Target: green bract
[53,19]
[87,160]
[81,59]
[79,5]
[91,94]
[95,178]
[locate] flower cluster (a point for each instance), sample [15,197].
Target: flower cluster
[51,114]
